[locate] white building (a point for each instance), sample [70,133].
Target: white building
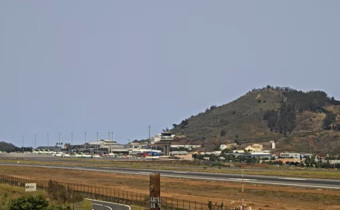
[238,151]
[158,138]
[111,145]
[254,148]
[273,144]
[290,155]
[223,147]
[187,146]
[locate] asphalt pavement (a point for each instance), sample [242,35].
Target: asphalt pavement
[103,205]
[256,179]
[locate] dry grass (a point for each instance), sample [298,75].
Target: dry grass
[9,192]
[264,169]
[260,196]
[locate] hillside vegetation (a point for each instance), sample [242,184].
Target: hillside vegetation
[296,120]
[8,147]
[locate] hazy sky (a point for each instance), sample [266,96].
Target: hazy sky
[99,66]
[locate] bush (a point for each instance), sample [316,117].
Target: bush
[62,194]
[28,203]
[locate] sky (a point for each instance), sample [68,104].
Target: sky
[121,66]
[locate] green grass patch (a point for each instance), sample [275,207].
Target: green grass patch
[10,192]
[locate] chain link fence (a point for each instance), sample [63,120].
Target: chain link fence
[117,196]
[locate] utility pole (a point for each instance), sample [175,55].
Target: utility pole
[242,192]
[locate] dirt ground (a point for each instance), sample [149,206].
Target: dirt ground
[258,196]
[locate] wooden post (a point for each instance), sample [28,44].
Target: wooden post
[155,192]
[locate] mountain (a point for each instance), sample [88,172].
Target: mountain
[295,120]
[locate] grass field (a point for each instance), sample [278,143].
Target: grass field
[10,192]
[263,169]
[258,196]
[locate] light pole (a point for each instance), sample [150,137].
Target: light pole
[85,141]
[35,141]
[48,139]
[97,141]
[59,137]
[23,140]
[149,135]
[72,138]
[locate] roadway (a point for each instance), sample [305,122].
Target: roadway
[103,205]
[255,179]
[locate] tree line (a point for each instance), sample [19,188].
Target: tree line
[284,120]
[8,147]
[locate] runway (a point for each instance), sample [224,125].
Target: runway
[255,179]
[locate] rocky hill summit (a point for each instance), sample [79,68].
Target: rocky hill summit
[295,120]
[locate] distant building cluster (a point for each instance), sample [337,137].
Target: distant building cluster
[166,145]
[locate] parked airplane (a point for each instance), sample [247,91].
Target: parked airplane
[96,156]
[60,154]
[36,151]
[77,155]
[82,155]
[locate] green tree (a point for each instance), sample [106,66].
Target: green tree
[329,120]
[29,203]
[212,157]
[222,132]
[272,119]
[287,119]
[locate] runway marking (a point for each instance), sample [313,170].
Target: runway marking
[240,180]
[143,172]
[211,178]
[297,179]
[181,172]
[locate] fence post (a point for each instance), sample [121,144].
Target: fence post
[210,205]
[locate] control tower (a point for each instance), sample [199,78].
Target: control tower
[166,140]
